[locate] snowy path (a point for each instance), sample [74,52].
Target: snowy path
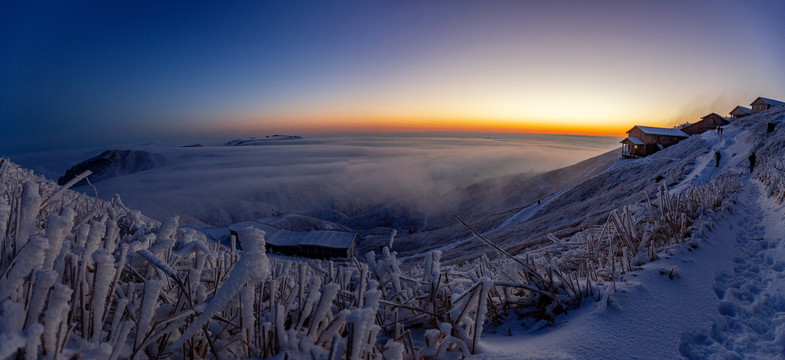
[728,300]
[734,149]
[751,311]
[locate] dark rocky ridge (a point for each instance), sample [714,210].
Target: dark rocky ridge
[113,163]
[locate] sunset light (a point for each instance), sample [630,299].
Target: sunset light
[462,66]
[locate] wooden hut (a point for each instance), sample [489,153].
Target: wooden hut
[763,104]
[708,122]
[740,111]
[646,140]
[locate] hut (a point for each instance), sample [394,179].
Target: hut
[325,244]
[740,111]
[763,104]
[708,122]
[646,140]
[317,244]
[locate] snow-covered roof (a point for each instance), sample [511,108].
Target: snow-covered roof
[280,237]
[742,108]
[660,131]
[330,239]
[286,238]
[771,102]
[633,140]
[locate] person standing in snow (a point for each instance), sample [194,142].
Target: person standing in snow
[717,157]
[752,162]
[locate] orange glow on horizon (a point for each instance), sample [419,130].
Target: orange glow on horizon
[310,125]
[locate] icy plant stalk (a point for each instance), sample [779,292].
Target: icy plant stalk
[57,228]
[252,267]
[104,274]
[152,288]
[31,203]
[44,280]
[55,314]
[30,258]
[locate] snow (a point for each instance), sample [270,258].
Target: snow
[771,102]
[746,110]
[646,318]
[634,140]
[287,238]
[728,300]
[751,294]
[661,131]
[665,311]
[330,239]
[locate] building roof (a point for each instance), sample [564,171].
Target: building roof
[768,101]
[746,110]
[330,239]
[280,237]
[660,131]
[287,238]
[715,114]
[633,140]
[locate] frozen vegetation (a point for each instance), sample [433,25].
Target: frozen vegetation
[691,267]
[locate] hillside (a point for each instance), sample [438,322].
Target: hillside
[693,271]
[577,207]
[725,300]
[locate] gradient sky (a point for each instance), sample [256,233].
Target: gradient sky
[94,73]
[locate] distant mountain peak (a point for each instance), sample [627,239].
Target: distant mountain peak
[254,141]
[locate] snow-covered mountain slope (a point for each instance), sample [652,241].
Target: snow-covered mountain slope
[582,205]
[725,303]
[729,296]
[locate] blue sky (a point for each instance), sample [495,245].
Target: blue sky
[93,73]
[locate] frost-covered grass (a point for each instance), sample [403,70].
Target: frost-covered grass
[88,278]
[84,277]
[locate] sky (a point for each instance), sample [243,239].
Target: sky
[82,73]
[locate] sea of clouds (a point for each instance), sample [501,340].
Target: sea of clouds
[219,185]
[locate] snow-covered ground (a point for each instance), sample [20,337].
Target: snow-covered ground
[727,300]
